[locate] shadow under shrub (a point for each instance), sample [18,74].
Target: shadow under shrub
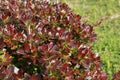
[40,40]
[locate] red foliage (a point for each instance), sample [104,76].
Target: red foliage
[116,76]
[46,41]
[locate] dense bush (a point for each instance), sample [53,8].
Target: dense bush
[45,41]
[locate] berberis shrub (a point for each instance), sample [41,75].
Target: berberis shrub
[40,40]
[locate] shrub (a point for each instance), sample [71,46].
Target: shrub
[40,40]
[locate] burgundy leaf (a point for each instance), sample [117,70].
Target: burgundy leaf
[78,17]
[27,47]
[1,43]
[21,51]
[4,16]
[35,77]
[44,47]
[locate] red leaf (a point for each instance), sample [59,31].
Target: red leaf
[35,77]
[7,72]
[20,51]
[34,49]
[72,42]
[4,16]
[19,35]
[1,43]
[78,17]
[92,55]
[19,75]
[50,46]
[79,53]
[27,47]
[44,47]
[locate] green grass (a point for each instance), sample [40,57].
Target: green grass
[108,39]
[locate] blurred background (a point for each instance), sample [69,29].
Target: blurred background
[108,39]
